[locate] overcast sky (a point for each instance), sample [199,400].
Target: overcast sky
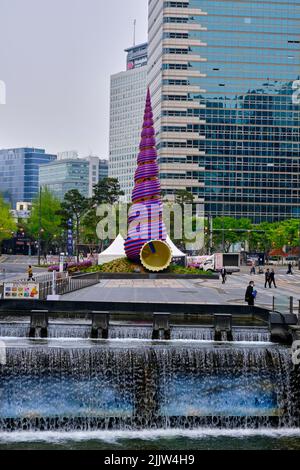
[56,58]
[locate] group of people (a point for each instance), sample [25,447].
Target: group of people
[270,278]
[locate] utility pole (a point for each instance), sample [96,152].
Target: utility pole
[40,227]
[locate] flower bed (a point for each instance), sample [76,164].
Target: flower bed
[123,266]
[73,267]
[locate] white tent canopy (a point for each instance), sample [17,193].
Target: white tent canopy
[175,251]
[116,250]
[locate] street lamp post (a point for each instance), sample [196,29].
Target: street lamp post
[40,227]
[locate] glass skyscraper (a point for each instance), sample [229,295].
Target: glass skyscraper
[19,173]
[62,176]
[222,75]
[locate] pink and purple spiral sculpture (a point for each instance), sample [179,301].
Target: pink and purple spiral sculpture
[145,216]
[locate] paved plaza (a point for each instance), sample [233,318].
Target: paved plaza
[210,291]
[191,291]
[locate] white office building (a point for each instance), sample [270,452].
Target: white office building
[127,103]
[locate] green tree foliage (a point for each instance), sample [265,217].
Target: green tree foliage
[228,231]
[107,191]
[75,207]
[50,219]
[7,223]
[183,197]
[263,237]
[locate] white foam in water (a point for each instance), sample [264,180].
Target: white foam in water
[65,331]
[148,435]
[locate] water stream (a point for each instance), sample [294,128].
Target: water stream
[133,393]
[53,385]
[71,330]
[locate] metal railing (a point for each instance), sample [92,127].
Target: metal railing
[65,285]
[286,304]
[40,278]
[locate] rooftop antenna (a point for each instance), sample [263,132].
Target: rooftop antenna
[134,31]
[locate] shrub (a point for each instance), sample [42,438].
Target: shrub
[73,267]
[124,265]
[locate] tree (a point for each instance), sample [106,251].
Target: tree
[275,235]
[183,197]
[228,231]
[7,223]
[286,234]
[50,221]
[75,207]
[107,191]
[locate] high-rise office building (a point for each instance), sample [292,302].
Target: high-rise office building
[127,101]
[98,170]
[103,169]
[222,75]
[63,175]
[66,174]
[19,173]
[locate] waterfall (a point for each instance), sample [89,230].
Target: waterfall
[15,330]
[71,330]
[123,385]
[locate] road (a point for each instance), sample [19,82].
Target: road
[15,267]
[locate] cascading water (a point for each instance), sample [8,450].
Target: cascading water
[69,330]
[117,385]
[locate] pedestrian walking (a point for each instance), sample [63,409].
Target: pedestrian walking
[224,275]
[30,274]
[250,294]
[272,279]
[253,270]
[290,271]
[267,278]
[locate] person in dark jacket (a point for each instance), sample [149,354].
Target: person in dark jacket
[250,294]
[267,278]
[224,275]
[290,271]
[272,279]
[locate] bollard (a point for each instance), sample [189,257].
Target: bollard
[100,325]
[161,326]
[223,325]
[38,324]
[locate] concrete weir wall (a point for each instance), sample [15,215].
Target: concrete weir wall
[222,317]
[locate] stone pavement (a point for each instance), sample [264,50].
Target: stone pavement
[208,291]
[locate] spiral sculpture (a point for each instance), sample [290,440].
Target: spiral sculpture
[147,232]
